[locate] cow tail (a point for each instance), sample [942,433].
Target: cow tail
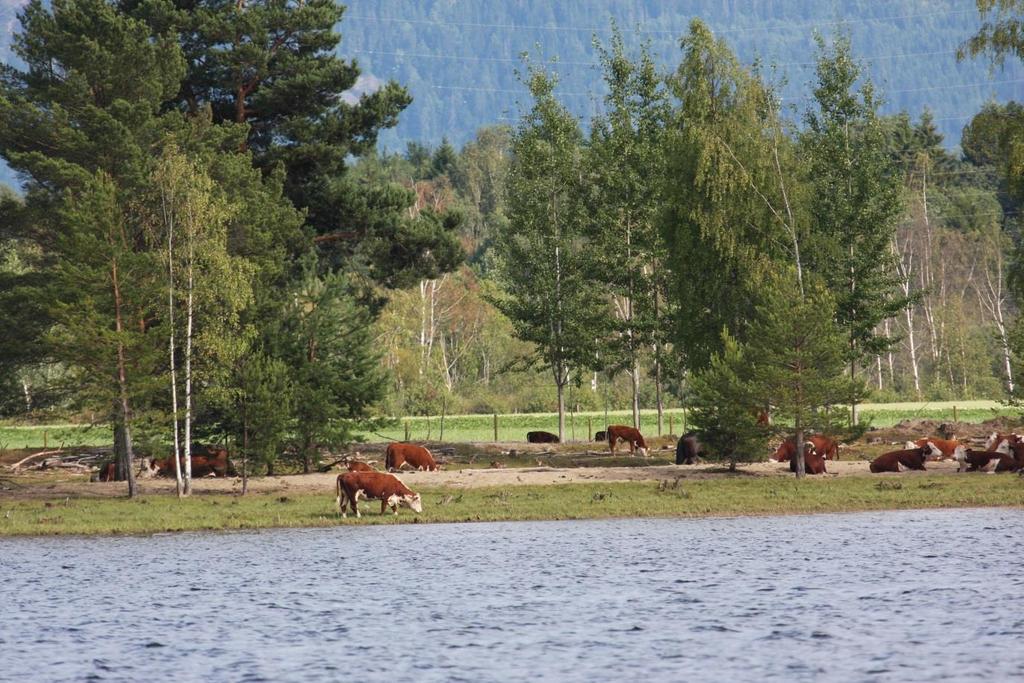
[389,459]
[341,492]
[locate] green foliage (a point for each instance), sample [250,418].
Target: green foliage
[542,258]
[263,410]
[725,405]
[855,202]
[1001,33]
[721,234]
[325,340]
[796,353]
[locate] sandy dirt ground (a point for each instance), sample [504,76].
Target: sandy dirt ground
[460,478]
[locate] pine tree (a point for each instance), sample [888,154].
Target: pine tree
[855,204]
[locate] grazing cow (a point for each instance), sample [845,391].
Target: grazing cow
[359,466]
[416,457]
[600,436]
[631,436]
[972,461]
[996,438]
[897,461]
[824,446]
[814,462]
[542,437]
[387,488]
[688,449]
[941,449]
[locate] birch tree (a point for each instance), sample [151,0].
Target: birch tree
[542,255]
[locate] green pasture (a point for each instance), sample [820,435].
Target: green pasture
[732,495]
[53,436]
[513,427]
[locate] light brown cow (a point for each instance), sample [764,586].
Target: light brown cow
[941,449]
[898,461]
[387,488]
[628,434]
[824,446]
[359,466]
[416,457]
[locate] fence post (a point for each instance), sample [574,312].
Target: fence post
[428,428]
[495,426]
[572,424]
[954,417]
[590,431]
[671,429]
[44,433]
[444,408]
[406,430]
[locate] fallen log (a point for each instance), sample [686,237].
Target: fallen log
[30,457]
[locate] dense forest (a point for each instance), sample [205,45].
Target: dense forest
[211,243]
[459,58]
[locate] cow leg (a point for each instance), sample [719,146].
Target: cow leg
[383,505]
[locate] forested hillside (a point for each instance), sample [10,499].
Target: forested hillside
[458,57]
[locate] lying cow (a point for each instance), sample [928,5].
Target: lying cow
[359,466]
[542,437]
[628,434]
[387,488]
[688,449]
[824,446]
[399,455]
[996,438]
[973,461]
[898,461]
[1012,457]
[814,462]
[941,449]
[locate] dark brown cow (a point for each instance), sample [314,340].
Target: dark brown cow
[206,461]
[416,457]
[600,436]
[897,461]
[387,488]
[542,437]
[824,446]
[972,461]
[108,472]
[631,436]
[688,449]
[814,462]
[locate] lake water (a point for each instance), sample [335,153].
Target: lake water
[894,596]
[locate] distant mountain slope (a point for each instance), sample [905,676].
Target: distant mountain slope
[458,57]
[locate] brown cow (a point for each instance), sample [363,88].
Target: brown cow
[1012,457]
[206,461]
[542,437]
[359,466]
[897,461]
[399,455]
[996,438]
[600,436]
[387,488]
[824,446]
[941,449]
[814,462]
[108,472]
[972,461]
[631,436]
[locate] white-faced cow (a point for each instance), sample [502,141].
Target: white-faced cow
[628,434]
[387,488]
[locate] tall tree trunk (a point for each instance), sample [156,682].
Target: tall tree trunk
[188,367]
[798,436]
[561,410]
[169,220]
[122,425]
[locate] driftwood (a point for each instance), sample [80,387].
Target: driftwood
[30,457]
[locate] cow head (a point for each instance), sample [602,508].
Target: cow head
[991,440]
[960,455]
[932,450]
[1003,447]
[413,502]
[910,445]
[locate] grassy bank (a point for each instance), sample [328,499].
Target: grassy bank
[740,495]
